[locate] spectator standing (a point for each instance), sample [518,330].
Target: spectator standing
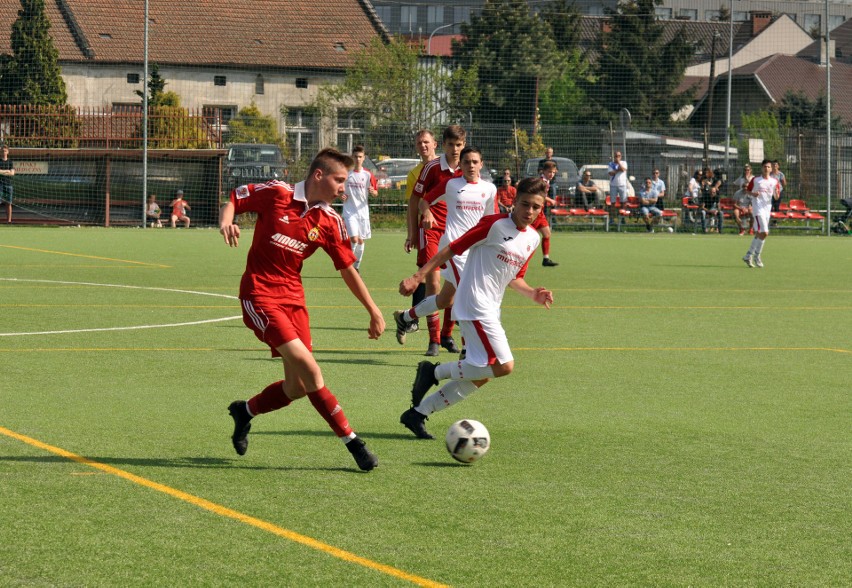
[152,213]
[548,157]
[7,172]
[763,190]
[360,185]
[506,194]
[648,201]
[660,187]
[292,223]
[586,193]
[179,208]
[782,184]
[709,205]
[742,201]
[618,180]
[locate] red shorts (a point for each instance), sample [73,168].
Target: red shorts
[540,221]
[429,239]
[276,324]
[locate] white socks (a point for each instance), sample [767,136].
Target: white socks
[449,394]
[358,250]
[427,306]
[756,247]
[463,370]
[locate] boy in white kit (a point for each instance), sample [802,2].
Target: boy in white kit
[360,185]
[468,199]
[763,190]
[499,249]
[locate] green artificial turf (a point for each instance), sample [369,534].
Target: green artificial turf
[676,419]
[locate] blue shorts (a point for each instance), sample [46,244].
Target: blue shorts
[646,210]
[6,192]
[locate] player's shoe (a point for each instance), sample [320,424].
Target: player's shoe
[401,326]
[433,350]
[365,459]
[547,262]
[242,425]
[413,421]
[413,327]
[757,261]
[748,261]
[463,354]
[449,344]
[424,380]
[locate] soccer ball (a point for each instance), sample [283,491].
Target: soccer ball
[468,440]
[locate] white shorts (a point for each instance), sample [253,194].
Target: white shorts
[358,225]
[760,224]
[485,342]
[452,272]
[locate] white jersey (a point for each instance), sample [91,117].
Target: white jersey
[357,190]
[619,180]
[467,202]
[766,188]
[498,253]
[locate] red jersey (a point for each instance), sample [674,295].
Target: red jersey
[431,176]
[287,232]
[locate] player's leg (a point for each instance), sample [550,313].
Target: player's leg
[543,228]
[185,221]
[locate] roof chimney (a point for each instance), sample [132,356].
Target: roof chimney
[831,51]
[759,21]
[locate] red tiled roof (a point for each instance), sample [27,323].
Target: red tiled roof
[275,33]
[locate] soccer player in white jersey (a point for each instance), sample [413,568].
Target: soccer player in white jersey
[500,247]
[763,190]
[468,199]
[360,185]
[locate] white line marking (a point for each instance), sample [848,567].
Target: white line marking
[229,318]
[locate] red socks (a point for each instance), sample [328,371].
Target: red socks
[545,246]
[434,328]
[326,404]
[447,325]
[271,398]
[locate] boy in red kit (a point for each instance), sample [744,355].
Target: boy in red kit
[443,168]
[292,222]
[548,172]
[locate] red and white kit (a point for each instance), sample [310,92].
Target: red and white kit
[432,175]
[498,252]
[356,207]
[761,205]
[466,202]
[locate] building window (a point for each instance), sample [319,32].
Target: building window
[711,15]
[350,127]
[461,14]
[133,78]
[408,18]
[258,85]
[384,13]
[812,23]
[219,114]
[220,80]
[301,82]
[302,128]
[835,21]
[687,14]
[663,13]
[742,16]
[434,17]
[126,107]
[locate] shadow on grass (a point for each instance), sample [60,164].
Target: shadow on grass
[440,464]
[320,433]
[178,462]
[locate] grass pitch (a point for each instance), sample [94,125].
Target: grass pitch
[676,419]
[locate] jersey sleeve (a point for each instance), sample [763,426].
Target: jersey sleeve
[336,242]
[422,179]
[751,184]
[246,198]
[411,180]
[437,192]
[478,232]
[374,183]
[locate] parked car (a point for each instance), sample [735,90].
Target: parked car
[600,176]
[252,163]
[397,170]
[566,176]
[382,179]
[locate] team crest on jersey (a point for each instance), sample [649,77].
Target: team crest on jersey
[313,234]
[242,192]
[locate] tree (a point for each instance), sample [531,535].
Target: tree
[156,88]
[799,111]
[31,75]
[252,126]
[170,126]
[763,124]
[515,57]
[636,69]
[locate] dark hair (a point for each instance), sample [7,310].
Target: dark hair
[535,186]
[326,158]
[357,149]
[765,161]
[455,133]
[467,150]
[422,132]
[549,165]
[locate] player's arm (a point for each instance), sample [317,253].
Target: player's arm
[539,295]
[435,194]
[227,228]
[409,285]
[356,285]
[374,185]
[411,240]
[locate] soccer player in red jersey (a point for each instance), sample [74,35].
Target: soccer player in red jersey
[292,223]
[447,166]
[548,172]
[499,249]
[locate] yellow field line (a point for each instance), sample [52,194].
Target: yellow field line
[228,513]
[85,256]
[406,350]
[29,305]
